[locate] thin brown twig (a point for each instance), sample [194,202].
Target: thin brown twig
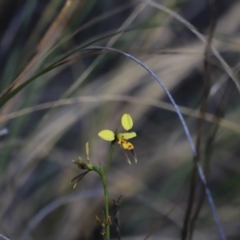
[116,210]
[208,153]
[201,123]
[188,224]
[193,181]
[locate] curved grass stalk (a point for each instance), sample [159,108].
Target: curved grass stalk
[120,98]
[63,59]
[185,128]
[229,71]
[3,237]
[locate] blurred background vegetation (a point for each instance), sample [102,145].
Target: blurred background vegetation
[74,95]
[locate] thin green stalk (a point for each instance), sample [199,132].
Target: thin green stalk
[103,176]
[110,157]
[106,202]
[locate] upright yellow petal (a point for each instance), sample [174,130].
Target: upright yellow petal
[127,135]
[106,135]
[127,121]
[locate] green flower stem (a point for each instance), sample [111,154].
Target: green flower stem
[106,202]
[110,157]
[103,176]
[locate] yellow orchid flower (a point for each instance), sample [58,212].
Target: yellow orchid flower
[122,138]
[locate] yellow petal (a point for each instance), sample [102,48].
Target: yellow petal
[106,135]
[126,136]
[127,121]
